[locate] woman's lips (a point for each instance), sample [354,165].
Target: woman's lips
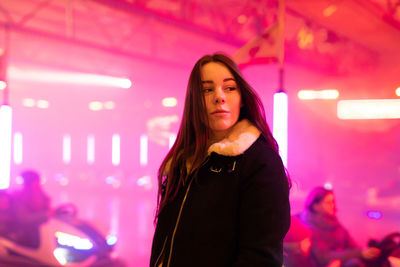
[220,113]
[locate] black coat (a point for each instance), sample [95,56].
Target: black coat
[236,213]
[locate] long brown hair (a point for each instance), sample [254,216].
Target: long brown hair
[193,134]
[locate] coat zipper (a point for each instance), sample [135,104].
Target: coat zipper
[179,215]
[177,222]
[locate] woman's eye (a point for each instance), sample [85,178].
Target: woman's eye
[231,88]
[207,90]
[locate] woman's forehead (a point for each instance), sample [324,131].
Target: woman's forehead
[215,70]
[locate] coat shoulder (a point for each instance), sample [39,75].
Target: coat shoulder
[262,153]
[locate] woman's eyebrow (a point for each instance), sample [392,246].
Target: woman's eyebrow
[225,80]
[207,81]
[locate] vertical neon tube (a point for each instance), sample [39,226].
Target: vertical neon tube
[67,149]
[171,140]
[116,149]
[5,145]
[17,148]
[280,123]
[90,149]
[143,150]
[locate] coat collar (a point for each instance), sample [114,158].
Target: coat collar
[239,139]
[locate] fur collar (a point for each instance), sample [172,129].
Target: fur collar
[240,138]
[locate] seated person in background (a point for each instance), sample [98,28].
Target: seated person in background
[31,207]
[5,213]
[330,241]
[297,243]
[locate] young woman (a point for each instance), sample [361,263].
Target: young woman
[223,192]
[330,241]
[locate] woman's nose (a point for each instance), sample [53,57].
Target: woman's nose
[219,96]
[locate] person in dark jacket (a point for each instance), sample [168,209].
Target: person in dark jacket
[330,241]
[223,196]
[31,208]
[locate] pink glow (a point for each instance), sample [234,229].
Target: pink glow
[80,68]
[17,150]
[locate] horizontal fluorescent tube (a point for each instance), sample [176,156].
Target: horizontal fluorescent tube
[314,94]
[368,109]
[50,76]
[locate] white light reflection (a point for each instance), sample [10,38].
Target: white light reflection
[73,241]
[171,140]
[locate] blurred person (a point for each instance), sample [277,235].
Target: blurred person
[297,244]
[330,241]
[223,196]
[5,213]
[31,208]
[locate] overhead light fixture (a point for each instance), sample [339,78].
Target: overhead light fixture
[52,76]
[169,102]
[95,105]
[318,94]
[368,109]
[398,91]
[28,102]
[329,10]
[3,85]
[42,104]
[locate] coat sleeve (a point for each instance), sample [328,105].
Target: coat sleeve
[264,211]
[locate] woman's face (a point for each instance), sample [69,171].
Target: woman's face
[222,97]
[327,206]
